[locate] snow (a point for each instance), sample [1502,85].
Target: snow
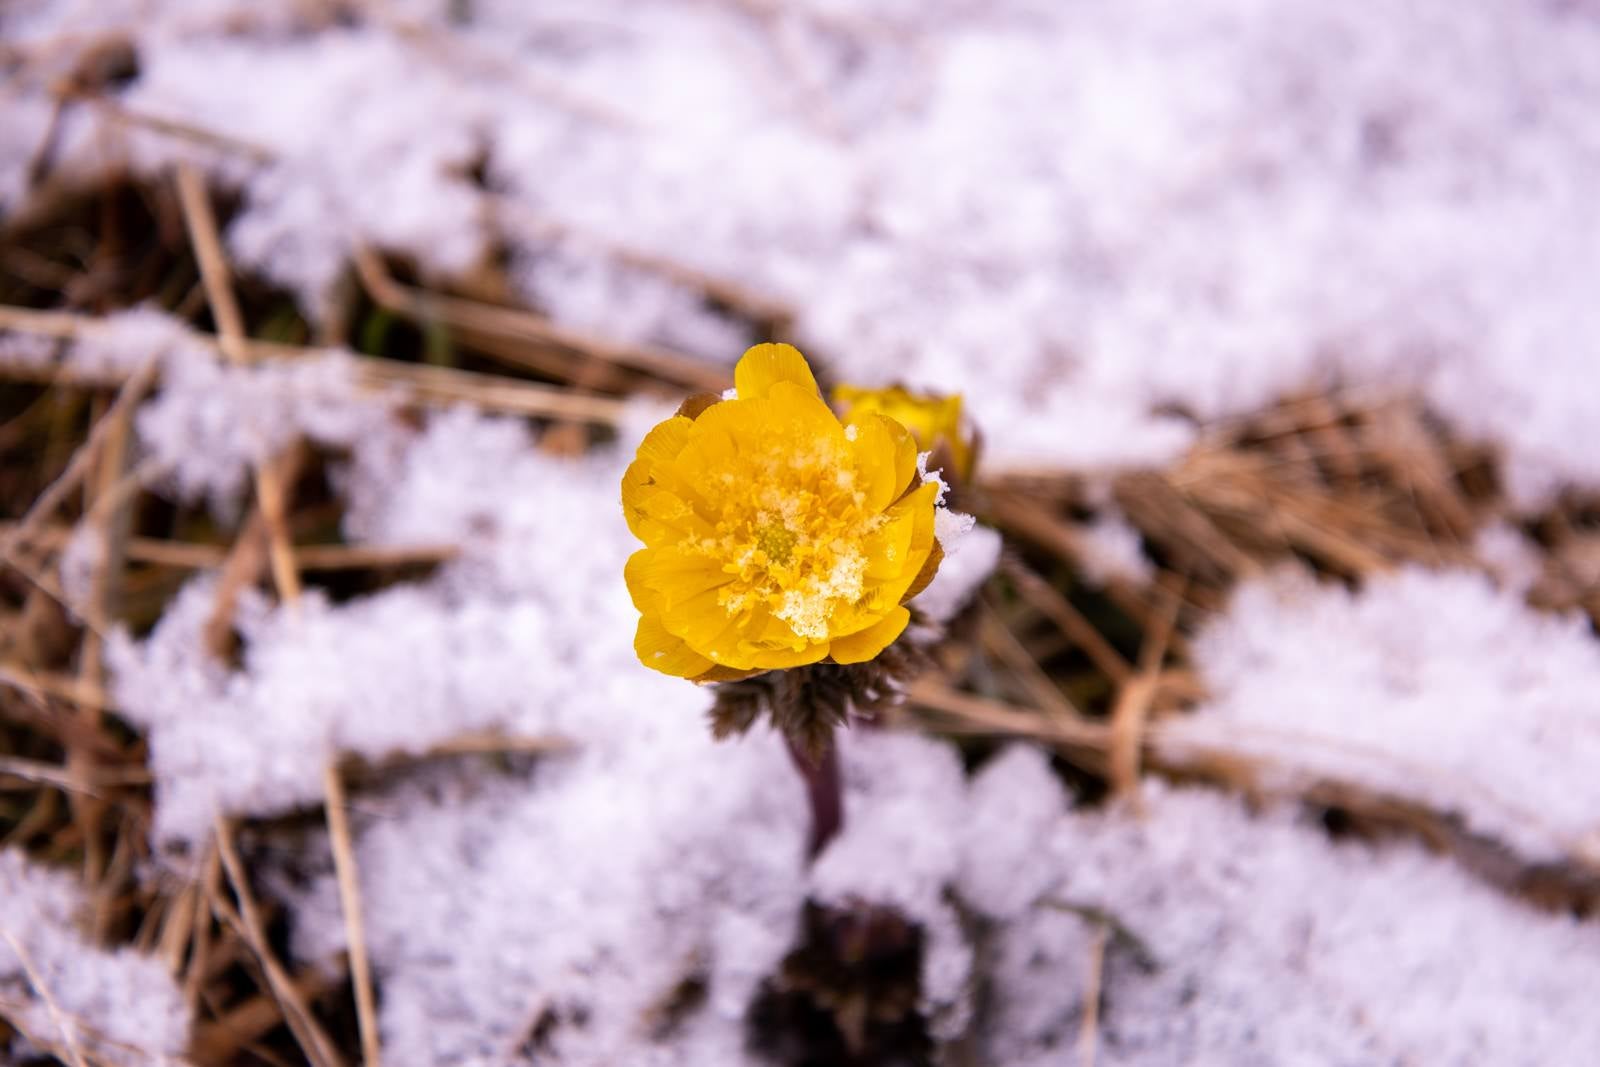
[903,798]
[1112,551]
[1257,941]
[490,902]
[1097,221]
[970,555]
[119,1006]
[1247,936]
[210,422]
[1433,685]
[527,633]
[1141,205]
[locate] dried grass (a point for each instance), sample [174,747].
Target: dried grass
[1348,485]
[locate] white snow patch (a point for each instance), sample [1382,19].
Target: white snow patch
[1078,216]
[1433,685]
[528,632]
[1258,941]
[118,1006]
[588,897]
[970,558]
[904,798]
[1113,552]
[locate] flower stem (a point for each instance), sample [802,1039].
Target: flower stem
[820,771]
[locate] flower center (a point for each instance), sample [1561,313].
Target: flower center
[790,534]
[777,541]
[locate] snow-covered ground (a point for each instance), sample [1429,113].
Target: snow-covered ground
[1079,215]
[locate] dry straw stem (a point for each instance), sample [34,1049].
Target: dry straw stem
[194,555]
[1176,752]
[243,566]
[344,864]
[1136,696]
[40,773]
[246,922]
[1089,1029]
[1128,716]
[132,392]
[64,1026]
[757,307]
[416,384]
[270,483]
[108,519]
[361,771]
[177,927]
[45,685]
[1049,602]
[236,1029]
[1003,644]
[208,888]
[121,113]
[525,326]
[1356,484]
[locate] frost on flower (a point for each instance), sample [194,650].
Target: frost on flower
[775,535]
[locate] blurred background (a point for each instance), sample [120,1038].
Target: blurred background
[1256,718]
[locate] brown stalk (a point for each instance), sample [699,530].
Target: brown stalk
[244,563]
[56,493]
[246,922]
[223,1038]
[1049,602]
[1089,1029]
[1571,884]
[192,555]
[208,889]
[344,865]
[514,323]
[415,383]
[108,518]
[181,130]
[42,685]
[269,476]
[68,1032]
[1000,641]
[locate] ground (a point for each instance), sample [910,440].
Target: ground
[1252,723]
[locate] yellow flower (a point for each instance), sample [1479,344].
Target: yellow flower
[932,418]
[775,535]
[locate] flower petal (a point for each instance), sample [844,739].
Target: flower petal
[724,674]
[664,652]
[865,644]
[763,366]
[769,643]
[781,422]
[924,578]
[655,468]
[660,518]
[708,626]
[885,459]
[660,579]
[888,548]
[919,503]
[663,443]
